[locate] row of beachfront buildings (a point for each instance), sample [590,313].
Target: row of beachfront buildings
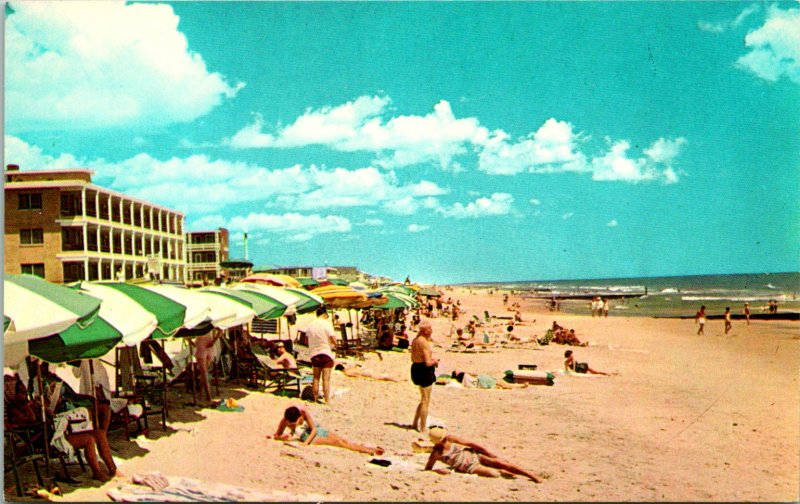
[62,227]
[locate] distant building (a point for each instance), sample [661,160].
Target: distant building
[205,253]
[60,226]
[234,270]
[293,271]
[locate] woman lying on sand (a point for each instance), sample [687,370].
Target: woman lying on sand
[579,367]
[355,371]
[484,381]
[470,458]
[312,433]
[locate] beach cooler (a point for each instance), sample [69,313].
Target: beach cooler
[530,377]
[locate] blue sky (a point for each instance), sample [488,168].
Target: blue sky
[451,142]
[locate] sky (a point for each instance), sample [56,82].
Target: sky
[448,142]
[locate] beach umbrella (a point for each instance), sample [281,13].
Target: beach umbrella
[309,301]
[307,282]
[224,312]
[36,308]
[264,307]
[340,296]
[273,279]
[338,281]
[197,309]
[170,314]
[429,292]
[396,300]
[358,286]
[278,294]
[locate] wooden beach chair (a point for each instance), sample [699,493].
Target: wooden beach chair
[276,378]
[149,389]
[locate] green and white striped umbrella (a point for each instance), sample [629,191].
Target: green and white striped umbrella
[226,312]
[37,308]
[264,307]
[279,294]
[309,301]
[170,314]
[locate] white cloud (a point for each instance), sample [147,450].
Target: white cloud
[81,64]
[612,223]
[206,223]
[358,126]
[31,157]
[293,226]
[774,47]
[615,165]
[371,222]
[417,228]
[722,26]
[535,202]
[567,215]
[496,204]
[551,148]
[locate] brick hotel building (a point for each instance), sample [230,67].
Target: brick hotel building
[60,226]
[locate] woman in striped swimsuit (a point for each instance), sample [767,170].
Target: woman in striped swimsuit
[470,458]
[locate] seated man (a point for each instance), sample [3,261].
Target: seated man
[283,358]
[468,457]
[298,420]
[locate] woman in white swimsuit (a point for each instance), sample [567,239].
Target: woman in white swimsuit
[470,458]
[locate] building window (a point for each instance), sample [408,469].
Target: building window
[73,272]
[30,201]
[31,236]
[33,269]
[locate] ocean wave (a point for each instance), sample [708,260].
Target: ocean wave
[669,290]
[734,298]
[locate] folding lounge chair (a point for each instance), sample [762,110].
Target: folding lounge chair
[277,378]
[139,387]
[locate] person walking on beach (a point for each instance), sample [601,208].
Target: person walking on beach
[700,318]
[321,340]
[727,318]
[605,308]
[423,372]
[746,312]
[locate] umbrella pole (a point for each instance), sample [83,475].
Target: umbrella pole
[44,419]
[191,367]
[214,370]
[94,392]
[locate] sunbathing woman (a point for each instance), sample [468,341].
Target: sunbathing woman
[470,458]
[312,433]
[579,367]
[355,371]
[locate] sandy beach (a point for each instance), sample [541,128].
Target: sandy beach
[687,418]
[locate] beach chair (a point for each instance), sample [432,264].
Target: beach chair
[280,380]
[148,389]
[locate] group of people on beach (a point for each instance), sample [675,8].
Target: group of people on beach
[599,307]
[700,318]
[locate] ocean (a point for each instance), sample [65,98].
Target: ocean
[671,296]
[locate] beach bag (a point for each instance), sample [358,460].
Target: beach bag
[307,394]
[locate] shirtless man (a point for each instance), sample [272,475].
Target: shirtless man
[204,354]
[423,372]
[284,358]
[727,317]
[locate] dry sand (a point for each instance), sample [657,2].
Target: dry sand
[688,418]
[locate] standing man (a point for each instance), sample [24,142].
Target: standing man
[423,372]
[204,354]
[321,340]
[746,312]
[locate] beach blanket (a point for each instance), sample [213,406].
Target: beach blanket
[154,487]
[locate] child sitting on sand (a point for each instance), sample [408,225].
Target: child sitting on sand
[302,426]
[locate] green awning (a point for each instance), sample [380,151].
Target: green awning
[307,281]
